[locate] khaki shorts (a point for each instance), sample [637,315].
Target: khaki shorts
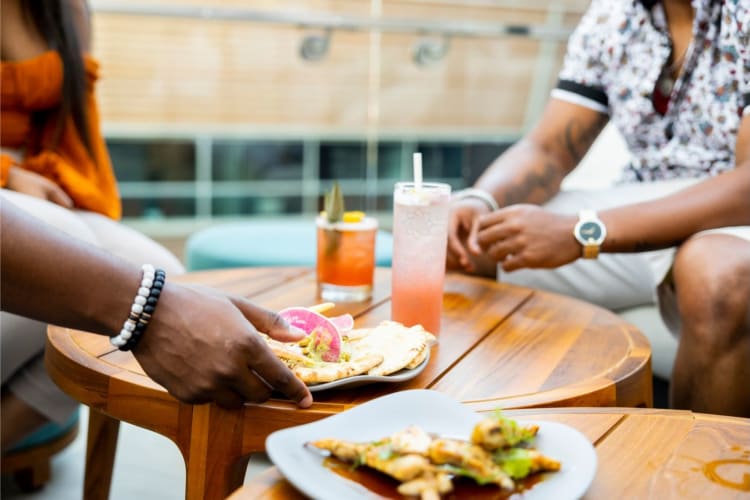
[616,281]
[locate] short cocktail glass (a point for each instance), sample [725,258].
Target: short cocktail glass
[420,234]
[346,259]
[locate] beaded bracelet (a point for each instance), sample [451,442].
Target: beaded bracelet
[142,309]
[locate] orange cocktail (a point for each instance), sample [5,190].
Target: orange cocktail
[346,259]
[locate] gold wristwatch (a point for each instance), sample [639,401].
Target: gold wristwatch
[590,232]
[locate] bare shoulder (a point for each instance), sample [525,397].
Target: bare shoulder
[19,38]
[81,16]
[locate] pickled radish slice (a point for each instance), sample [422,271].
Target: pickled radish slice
[344,323]
[325,339]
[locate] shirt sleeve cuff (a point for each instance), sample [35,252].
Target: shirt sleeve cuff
[583,95]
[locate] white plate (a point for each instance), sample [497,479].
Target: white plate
[357,380]
[434,412]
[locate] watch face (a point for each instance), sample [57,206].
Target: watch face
[590,231]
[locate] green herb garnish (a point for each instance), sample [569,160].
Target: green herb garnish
[516,462]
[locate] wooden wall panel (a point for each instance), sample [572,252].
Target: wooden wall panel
[162,71]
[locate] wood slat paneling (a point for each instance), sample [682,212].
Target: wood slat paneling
[203,73]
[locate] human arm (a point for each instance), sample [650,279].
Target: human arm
[27,182]
[720,201]
[528,236]
[200,345]
[531,171]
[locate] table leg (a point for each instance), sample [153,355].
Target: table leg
[215,462]
[101,444]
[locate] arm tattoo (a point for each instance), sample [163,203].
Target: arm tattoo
[576,137]
[544,180]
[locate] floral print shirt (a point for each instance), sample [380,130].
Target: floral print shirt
[614,59]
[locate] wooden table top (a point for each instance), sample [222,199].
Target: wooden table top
[499,346]
[642,453]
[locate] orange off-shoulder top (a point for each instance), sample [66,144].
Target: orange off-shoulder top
[34,85]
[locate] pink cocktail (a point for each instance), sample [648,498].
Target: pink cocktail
[420,233]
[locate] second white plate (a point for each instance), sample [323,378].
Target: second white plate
[435,413]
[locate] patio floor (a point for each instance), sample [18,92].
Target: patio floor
[147,466]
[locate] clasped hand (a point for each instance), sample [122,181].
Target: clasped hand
[518,236]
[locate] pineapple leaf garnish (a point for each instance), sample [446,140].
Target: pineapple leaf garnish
[334,204]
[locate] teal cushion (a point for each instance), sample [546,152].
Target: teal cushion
[264,243]
[46,433]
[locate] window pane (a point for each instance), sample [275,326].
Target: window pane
[156,208]
[243,160]
[343,160]
[390,160]
[440,160]
[163,160]
[260,205]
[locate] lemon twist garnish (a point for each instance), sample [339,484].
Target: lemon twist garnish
[354,216]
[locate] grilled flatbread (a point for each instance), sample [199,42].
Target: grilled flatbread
[399,345]
[418,358]
[328,372]
[385,349]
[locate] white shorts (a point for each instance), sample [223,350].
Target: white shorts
[616,281]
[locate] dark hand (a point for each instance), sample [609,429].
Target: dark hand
[463,223]
[204,345]
[33,184]
[528,236]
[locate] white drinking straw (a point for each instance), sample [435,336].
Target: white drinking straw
[417,171]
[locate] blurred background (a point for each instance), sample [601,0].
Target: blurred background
[226,109]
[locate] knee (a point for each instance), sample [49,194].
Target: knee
[712,276]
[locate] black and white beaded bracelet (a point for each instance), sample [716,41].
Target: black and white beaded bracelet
[144,305]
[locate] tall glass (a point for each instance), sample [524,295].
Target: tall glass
[420,234]
[346,259]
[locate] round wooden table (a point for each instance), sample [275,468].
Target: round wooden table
[642,453]
[500,346]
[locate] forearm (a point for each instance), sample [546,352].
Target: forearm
[55,278]
[717,202]
[525,173]
[532,170]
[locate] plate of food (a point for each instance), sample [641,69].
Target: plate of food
[335,357]
[359,380]
[422,443]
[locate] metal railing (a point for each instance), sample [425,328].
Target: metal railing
[335,22]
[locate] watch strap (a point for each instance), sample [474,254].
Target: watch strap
[590,251]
